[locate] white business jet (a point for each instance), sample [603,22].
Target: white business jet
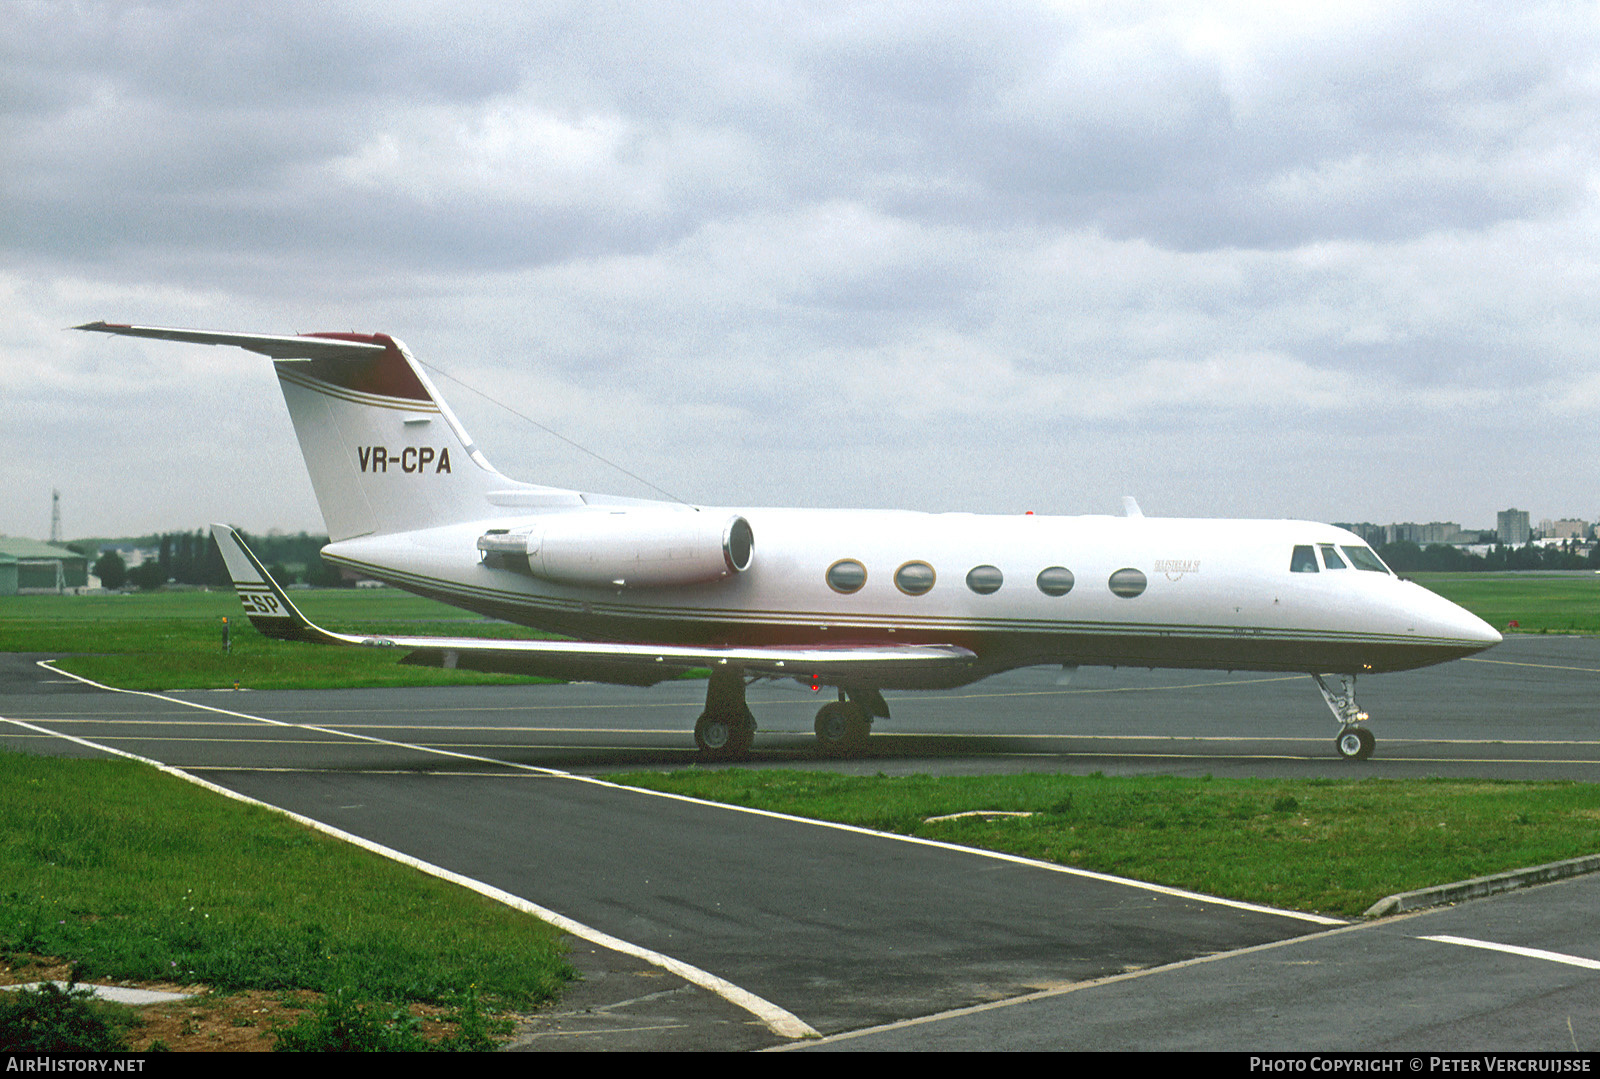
[856,600]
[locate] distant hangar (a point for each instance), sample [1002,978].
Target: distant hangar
[28,567]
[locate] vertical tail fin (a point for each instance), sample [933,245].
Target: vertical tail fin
[384,452]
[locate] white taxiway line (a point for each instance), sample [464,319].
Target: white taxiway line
[1095,983]
[1512,949]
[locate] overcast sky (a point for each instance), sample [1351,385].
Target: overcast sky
[1244,260]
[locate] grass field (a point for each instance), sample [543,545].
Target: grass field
[151,879]
[146,878]
[1537,602]
[173,640]
[1333,846]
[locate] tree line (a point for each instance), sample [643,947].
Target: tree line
[191,558]
[1404,556]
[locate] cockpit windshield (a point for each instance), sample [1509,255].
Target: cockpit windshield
[1365,558]
[1304,559]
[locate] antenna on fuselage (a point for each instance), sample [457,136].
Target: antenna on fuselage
[1130,508]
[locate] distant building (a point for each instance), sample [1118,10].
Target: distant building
[30,567]
[1432,532]
[1564,529]
[1511,527]
[1371,533]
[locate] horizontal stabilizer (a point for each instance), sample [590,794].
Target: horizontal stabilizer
[308,347]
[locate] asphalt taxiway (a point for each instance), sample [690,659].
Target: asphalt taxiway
[849,932]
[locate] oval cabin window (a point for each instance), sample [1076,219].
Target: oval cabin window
[847,576]
[1056,581]
[1128,583]
[985,580]
[914,578]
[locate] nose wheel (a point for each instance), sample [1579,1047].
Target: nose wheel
[1355,743]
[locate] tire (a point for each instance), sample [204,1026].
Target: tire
[1355,743]
[724,738]
[842,729]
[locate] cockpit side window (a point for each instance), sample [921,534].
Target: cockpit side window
[1330,557]
[1365,558]
[1304,560]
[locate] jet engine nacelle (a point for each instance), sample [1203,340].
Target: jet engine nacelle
[627,548]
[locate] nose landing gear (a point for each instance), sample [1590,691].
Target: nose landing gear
[1355,742]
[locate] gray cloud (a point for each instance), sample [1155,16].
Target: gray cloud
[923,254]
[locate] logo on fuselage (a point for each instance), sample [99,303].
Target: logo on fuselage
[410,459]
[1174,568]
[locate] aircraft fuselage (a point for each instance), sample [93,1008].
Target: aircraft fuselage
[1195,593]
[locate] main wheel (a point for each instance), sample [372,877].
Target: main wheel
[1355,743]
[842,728]
[724,737]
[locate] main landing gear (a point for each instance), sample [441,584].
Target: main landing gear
[726,729]
[1355,741]
[842,727]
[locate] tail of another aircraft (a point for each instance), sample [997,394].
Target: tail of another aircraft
[384,452]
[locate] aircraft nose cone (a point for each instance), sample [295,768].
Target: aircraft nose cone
[1459,624]
[1478,634]
[1486,633]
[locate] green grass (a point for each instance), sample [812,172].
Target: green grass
[1537,602]
[346,1022]
[134,874]
[49,1019]
[1335,846]
[173,640]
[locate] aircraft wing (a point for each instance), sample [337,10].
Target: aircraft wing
[273,615]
